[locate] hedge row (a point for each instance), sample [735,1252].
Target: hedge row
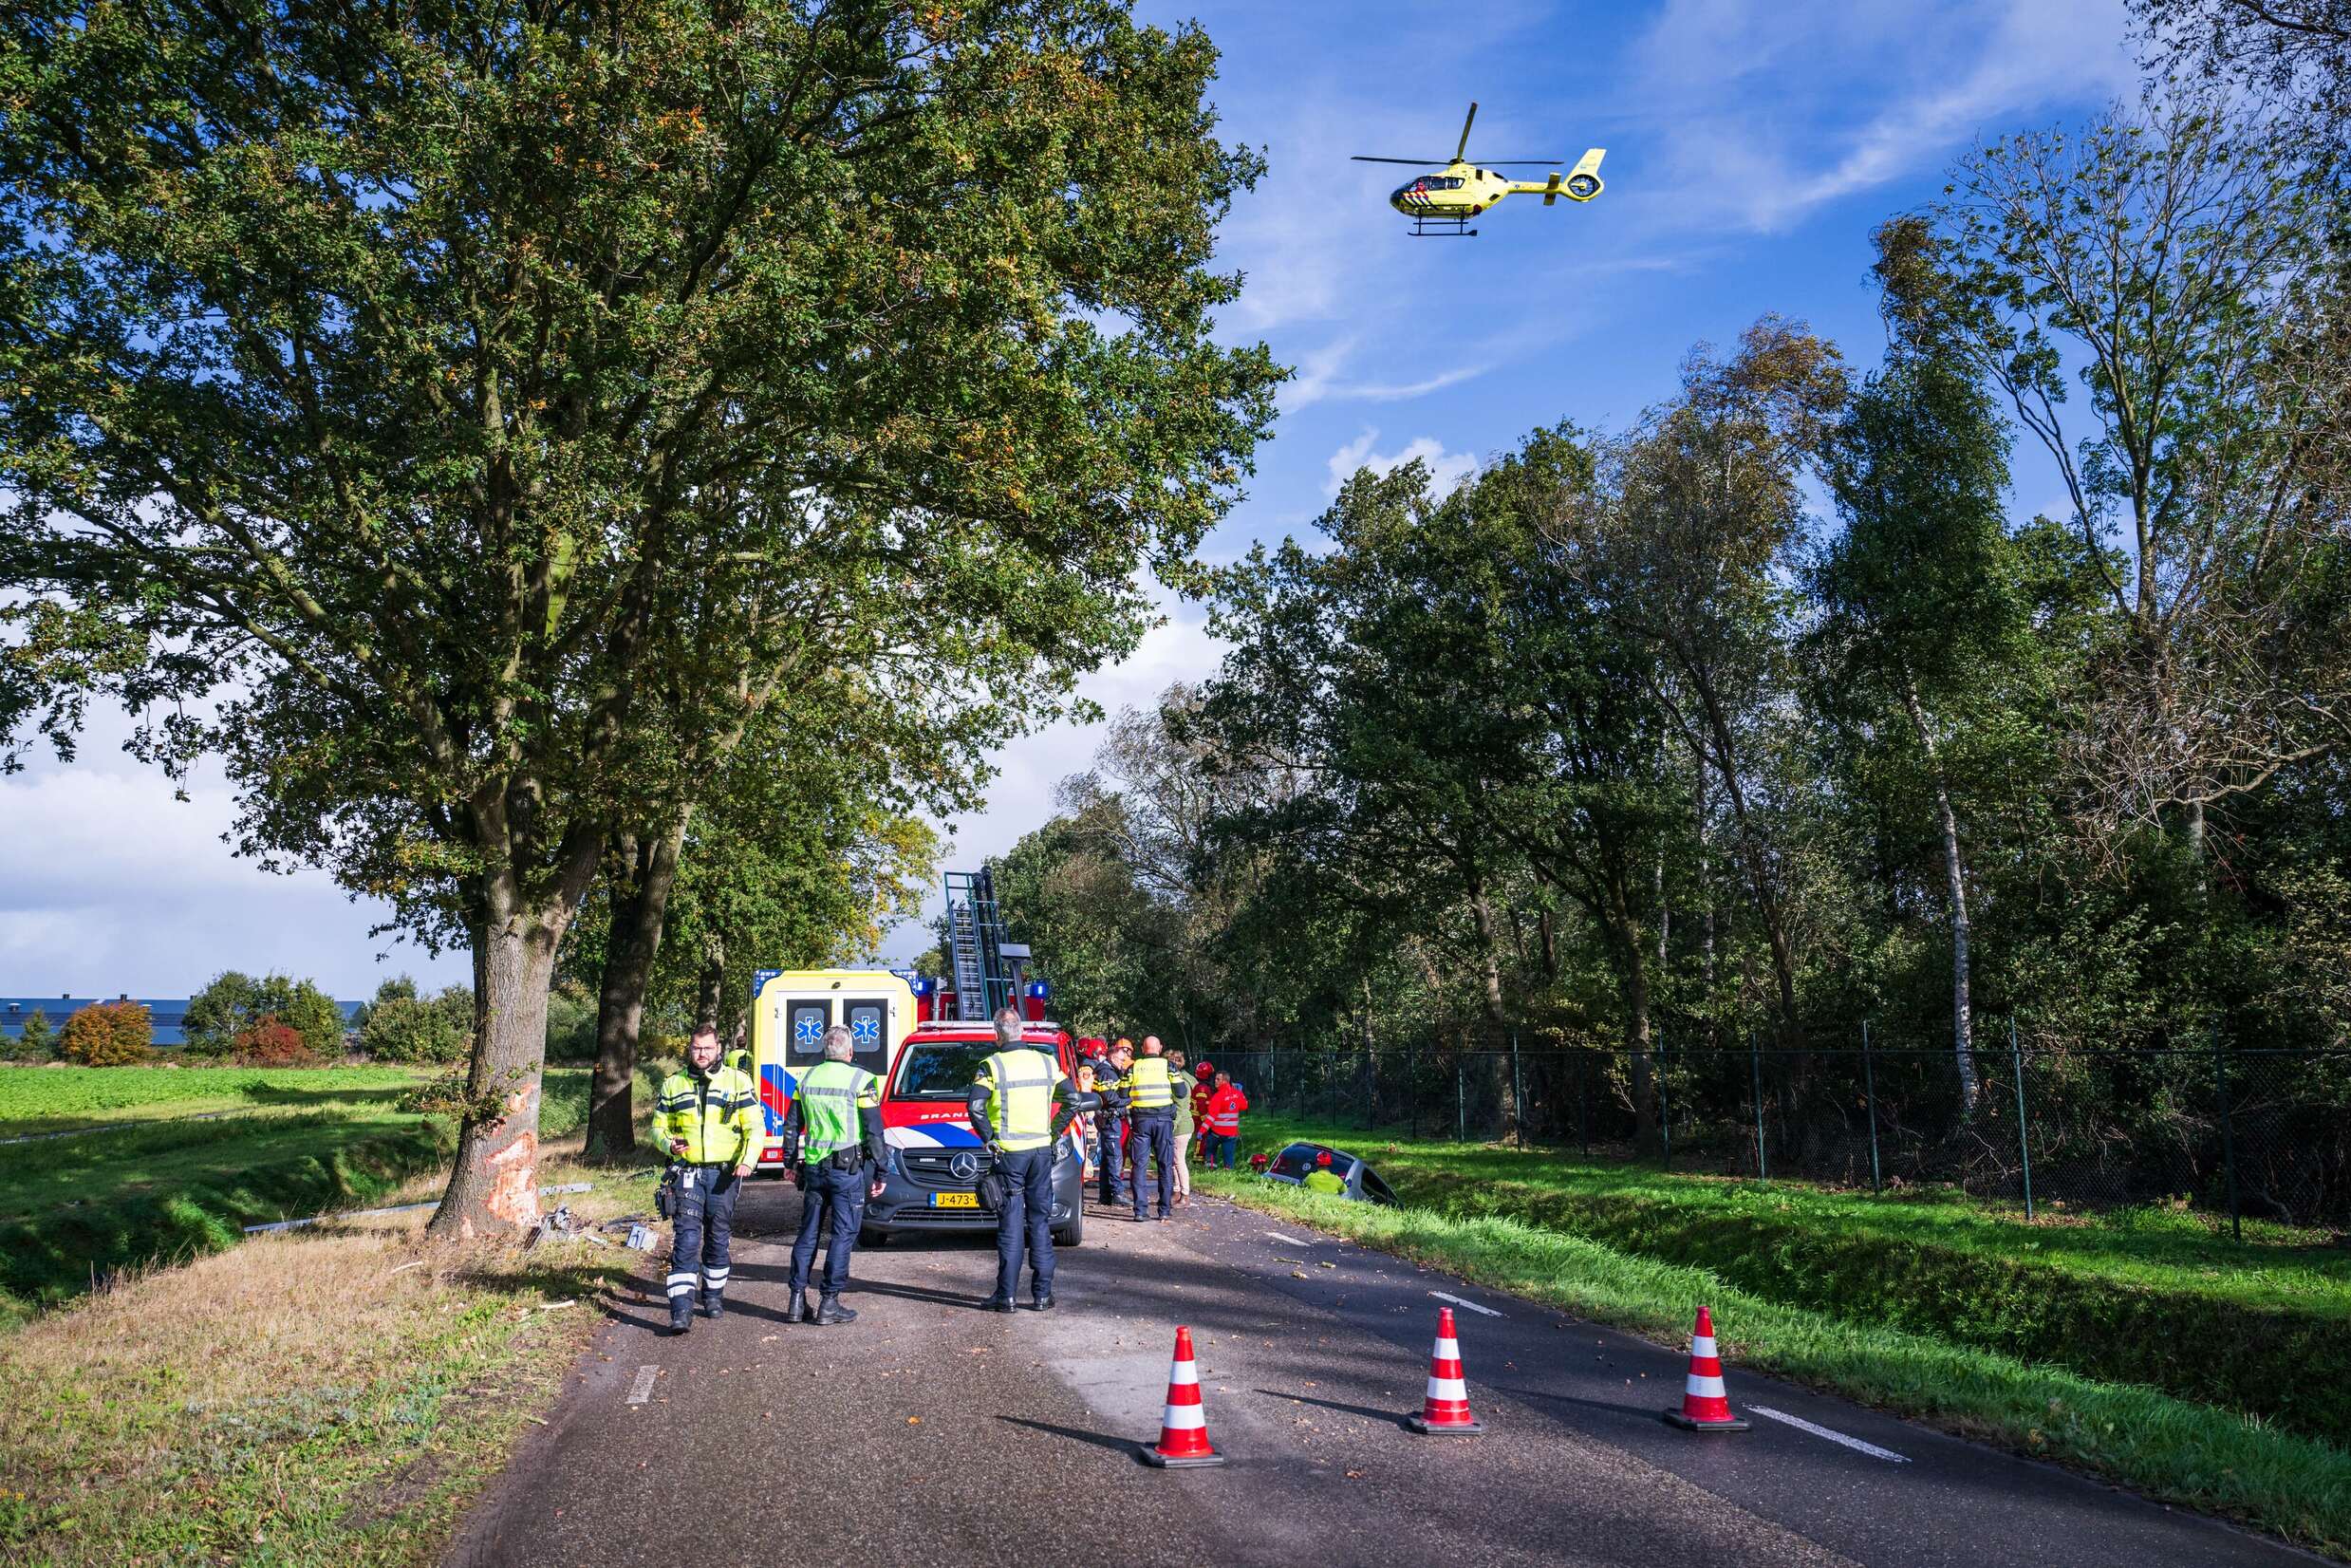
[2284,1367]
[47,1260]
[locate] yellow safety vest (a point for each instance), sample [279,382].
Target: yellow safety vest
[1149,1084]
[1020,1084]
[712,1114]
[1323,1179]
[831,1094]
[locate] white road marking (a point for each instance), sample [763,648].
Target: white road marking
[1801,1425]
[642,1389]
[1470,1306]
[1288,1241]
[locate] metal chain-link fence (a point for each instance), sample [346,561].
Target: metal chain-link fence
[2242,1135]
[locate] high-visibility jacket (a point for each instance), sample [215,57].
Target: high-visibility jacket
[1020,1084]
[1225,1108]
[1323,1179]
[713,1114]
[1147,1086]
[832,1094]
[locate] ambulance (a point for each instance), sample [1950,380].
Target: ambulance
[791,1009]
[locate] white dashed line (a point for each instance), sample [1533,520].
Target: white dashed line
[1288,1241]
[1469,1306]
[642,1389]
[1804,1426]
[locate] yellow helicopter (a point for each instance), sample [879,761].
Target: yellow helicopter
[1444,202]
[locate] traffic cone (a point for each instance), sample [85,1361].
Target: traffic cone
[1704,1407]
[1183,1431]
[1446,1410]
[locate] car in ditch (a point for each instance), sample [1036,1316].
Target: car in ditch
[1300,1159]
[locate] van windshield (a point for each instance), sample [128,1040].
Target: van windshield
[939,1070]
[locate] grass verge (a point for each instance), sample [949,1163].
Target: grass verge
[2151,1296]
[334,1394]
[2291,1485]
[76,1210]
[58,1099]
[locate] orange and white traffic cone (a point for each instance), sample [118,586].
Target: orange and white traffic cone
[1446,1411]
[1705,1408]
[1183,1430]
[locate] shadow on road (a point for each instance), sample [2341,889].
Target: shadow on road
[1643,1413]
[1116,1444]
[1393,1418]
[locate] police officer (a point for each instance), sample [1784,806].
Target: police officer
[1149,1090]
[1111,1122]
[835,1125]
[1012,1109]
[704,1116]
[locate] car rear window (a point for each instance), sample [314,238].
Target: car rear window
[1298,1161]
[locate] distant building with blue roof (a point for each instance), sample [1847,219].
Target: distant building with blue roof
[168,1015]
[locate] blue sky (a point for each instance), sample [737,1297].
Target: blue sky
[1752,147]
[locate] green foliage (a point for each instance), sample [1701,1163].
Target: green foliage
[36,1043]
[570,1025]
[401,1026]
[233,1004]
[108,1033]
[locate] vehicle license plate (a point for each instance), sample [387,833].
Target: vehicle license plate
[955,1199]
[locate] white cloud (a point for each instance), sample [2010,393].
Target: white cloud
[1446,469]
[1317,380]
[1742,111]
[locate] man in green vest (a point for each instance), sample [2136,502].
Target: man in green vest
[834,1127]
[1323,1179]
[1150,1093]
[703,1117]
[1012,1106]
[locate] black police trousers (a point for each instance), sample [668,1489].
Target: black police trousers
[704,1232]
[1026,1218]
[834,1206]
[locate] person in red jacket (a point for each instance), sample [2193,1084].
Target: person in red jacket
[1225,1104]
[1201,1088]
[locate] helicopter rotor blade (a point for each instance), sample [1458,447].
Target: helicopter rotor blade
[1463,145]
[1520,163]
[1418,163]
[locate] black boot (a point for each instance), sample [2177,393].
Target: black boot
[807,1303]
[682,1319]
[998,1302]
[830,1312]
[714,1305]
[1043,1301]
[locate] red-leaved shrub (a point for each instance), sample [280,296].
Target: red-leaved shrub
[270,1042]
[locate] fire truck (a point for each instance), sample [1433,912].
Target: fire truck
[925,1039]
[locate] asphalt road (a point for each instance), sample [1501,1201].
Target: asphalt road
[930,1433]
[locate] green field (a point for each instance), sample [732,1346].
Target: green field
[293,1143]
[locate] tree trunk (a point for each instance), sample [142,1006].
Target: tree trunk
[1963,1020]
[494,1189]
[1489,959]
[640,877]
[1758,877]
[1550,945]
[1632,964]
[711,985]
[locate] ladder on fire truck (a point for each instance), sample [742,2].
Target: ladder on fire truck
[982,970]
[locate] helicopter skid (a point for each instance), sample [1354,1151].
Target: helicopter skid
[1443,227]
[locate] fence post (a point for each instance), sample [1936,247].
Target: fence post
[1518,1092]
[2024,1139]
[1665,1116]
[1460,1105]
[1869,1090]
[1755,1076]
[2227,1135]
[1583,1103]
[1413,1084]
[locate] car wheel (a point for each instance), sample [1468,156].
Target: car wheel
[1073,1233]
